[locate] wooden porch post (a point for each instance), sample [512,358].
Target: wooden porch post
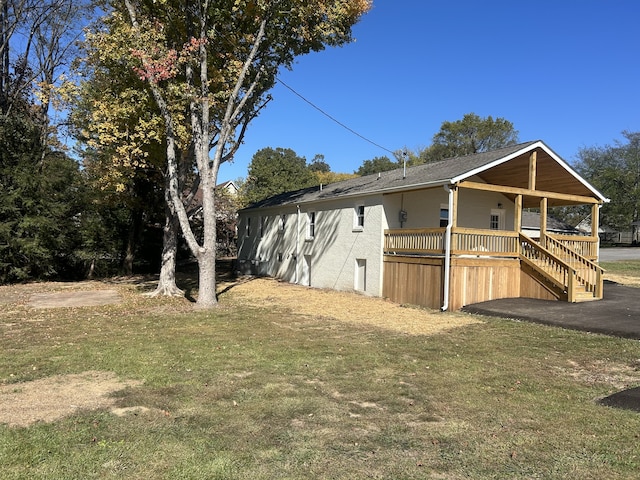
[543,220]
[454,219]
[517,220]
[533,160]
[595,219]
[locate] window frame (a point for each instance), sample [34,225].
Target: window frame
[311,225]
[444,219]
[359,213]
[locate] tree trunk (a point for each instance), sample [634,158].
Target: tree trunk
[207,297]
[207,259]
[132,240]
[167,281]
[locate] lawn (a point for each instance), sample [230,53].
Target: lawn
[258,390]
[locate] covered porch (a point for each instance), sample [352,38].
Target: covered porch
[465,265]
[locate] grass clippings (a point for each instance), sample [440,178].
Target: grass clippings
[349,307]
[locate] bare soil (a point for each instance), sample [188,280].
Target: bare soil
[49,399]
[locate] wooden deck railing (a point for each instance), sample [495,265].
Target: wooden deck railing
[420,241]
[584,246]
[464,241]
[495,243]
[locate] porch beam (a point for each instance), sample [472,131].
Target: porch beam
[528,193]
[533,160]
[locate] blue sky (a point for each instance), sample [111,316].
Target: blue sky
[563,71]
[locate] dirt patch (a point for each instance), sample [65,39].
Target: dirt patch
[349,307]
[627,280]
[52,398]
[85,298]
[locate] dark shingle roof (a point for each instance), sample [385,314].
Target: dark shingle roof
[532,220]
[421,175]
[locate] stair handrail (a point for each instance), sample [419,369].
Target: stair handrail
[565,280]
[597,270]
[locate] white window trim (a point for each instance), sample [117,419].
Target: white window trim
[311,225]
[498,212]
[443,206]
[357,227]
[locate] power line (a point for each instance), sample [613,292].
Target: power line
[334,119]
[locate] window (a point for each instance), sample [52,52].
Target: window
[248,227]
[311,225]
[263,224]
[496,220]
[358,221]
[279,257]
[444,215]
[282,222]
[494,223]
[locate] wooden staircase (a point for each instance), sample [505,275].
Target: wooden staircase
[563,272]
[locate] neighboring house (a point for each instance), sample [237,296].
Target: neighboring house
[607,234]
[444,235]
[226,216]
[531,226]
[229,186]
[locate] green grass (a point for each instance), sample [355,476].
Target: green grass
[623,267]
[256,393]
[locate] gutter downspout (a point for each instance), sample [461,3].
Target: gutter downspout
[297,241]
[447,251]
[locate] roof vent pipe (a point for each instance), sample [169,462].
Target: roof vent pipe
[320,187]
[404,162]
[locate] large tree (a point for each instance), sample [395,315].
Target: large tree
[377,165]
[223,56]
[120,127]
[273,171]
[615,171]
[472,134]
[40,203]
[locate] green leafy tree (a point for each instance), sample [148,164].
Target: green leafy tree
[470,135]
[377,165]
[319,165]
[274,171]
[223,57]
[615,171]
[40,205]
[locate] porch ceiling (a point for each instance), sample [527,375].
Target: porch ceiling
[550,177]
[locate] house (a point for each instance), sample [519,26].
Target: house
[531,225]
[442,235]
[229,186]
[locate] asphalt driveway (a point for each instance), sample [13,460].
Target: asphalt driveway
[617,314]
